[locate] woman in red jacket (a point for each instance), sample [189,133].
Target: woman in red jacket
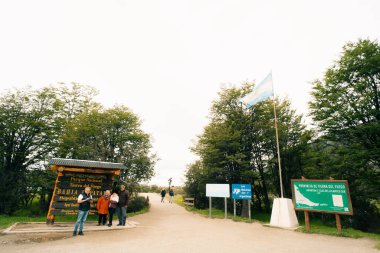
[102,206]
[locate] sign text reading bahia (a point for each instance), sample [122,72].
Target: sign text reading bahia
[330,196]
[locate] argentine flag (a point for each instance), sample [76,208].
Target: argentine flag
[260,93]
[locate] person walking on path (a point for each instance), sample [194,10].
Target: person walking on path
[122,205]
[102,206]
[84,201]
[171,194]
[114,199]
[163,193]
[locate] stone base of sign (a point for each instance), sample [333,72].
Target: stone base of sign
[59,227]
[283,214]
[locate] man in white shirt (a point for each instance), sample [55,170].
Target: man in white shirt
[84,201]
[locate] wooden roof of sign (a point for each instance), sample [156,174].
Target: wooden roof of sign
[86,164]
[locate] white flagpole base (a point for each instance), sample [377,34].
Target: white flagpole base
[283,214]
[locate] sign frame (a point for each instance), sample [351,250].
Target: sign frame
[74,175]
[217,191]
[240,186]
[322,181]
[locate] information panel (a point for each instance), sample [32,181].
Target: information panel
[70,186]
[218,190]
[241,191]
[330,196]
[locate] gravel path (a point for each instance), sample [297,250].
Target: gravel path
[170,228]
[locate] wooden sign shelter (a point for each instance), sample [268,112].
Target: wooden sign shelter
[72,177]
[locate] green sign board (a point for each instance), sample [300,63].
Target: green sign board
[330,196]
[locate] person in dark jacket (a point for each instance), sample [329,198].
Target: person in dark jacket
[171,194]
[84,201]
[122,205]
[163,193]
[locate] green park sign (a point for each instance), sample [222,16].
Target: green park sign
[329,196]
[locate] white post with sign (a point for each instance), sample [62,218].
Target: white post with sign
[218,191]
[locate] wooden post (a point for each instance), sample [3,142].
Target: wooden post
[337,218]
[338,223]
[307,221]
[306,214]
[50,218]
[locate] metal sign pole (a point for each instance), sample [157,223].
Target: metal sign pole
[249,209]
[225,208]
[210,203]
[234,208]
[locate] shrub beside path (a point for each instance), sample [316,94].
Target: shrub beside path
[170,228]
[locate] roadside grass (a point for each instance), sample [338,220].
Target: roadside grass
[219,214]
[8,220]
[316,226]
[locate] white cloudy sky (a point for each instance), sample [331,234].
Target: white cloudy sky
[167,60]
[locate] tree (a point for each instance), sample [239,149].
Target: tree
[28,130]
[112,135]
[346,109]
[238,146]
[63,120]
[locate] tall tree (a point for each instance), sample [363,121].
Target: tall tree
[28,133]
[346,109]
[238,146]
[112,135]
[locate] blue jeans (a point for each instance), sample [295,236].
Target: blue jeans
[121,214]
[82,216]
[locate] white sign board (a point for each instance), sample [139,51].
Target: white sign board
[218,190]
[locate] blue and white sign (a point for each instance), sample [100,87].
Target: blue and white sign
[241,191]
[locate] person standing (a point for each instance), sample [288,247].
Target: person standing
[163,194]
[102,206]
[171,194]
[114,199]
[122,205]
[84,201]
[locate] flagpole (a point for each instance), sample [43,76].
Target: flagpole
[277,142]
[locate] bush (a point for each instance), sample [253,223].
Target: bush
[137,204]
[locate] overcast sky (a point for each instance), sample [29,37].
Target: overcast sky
[166,60]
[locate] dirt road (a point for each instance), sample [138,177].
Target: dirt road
[170,228]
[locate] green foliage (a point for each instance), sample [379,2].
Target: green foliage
[137,204]
[63,120]
[238,146]
[112,135]
[29,127]
[345,107]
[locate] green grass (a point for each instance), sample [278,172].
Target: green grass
[219,214]
[318,227]
[6,220]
